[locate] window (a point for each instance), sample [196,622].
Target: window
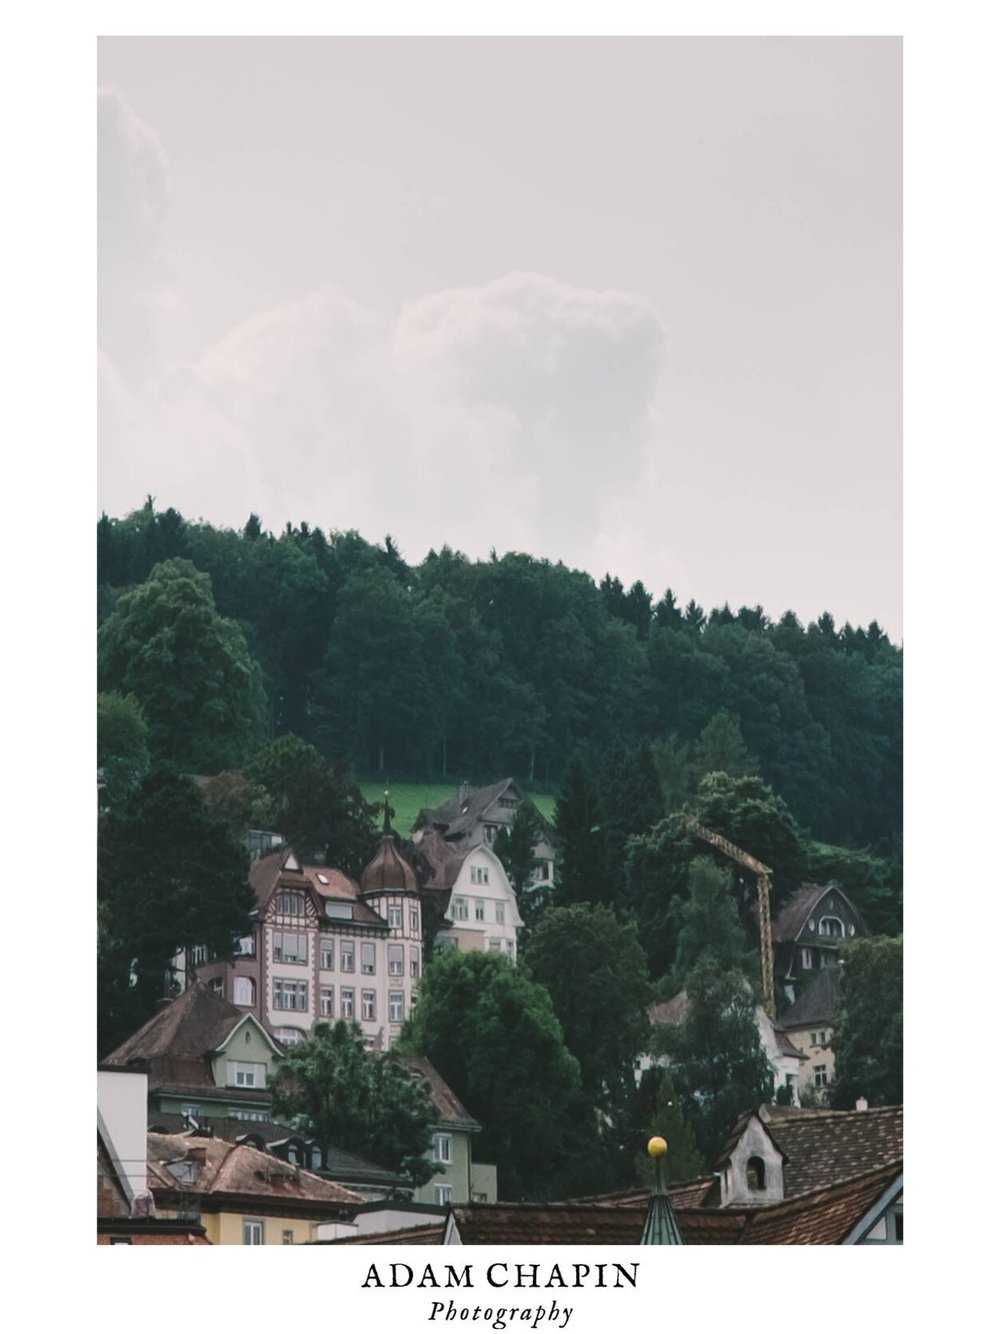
[395,916]
[367,956]
[120,1241]
[445,943]
[347,956]
[246,1074]
[442,1195]
[496,946]
[490,832]
[253,1232]
[831,926]
[289,1036]
[326,1001]
[290,903]
[326,951]
[199,954]
[807,958]
[190,1109]
[459,910]
[395,1007]
[755,1173]
[247,1114]
[368,1005]
[812,1040]
[480,910]
[246,946]
[395,961]
[414,920]
[244,991]
[501,913]
[290,947]
[442,1148]
[289,995]
[347,1002]
[287,1237]
[819,1076]
[217,985]
[508,948]
[480,875]
[414,961]
[341,912]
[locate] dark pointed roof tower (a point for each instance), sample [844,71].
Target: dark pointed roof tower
[388,869]
[660,1228]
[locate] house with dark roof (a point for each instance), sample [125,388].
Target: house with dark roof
[467,890]
[239,1194]
[808,932]
[325,946]
[808,1025]
[204,1058]
[475,816]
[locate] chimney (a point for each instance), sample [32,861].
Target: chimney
[196,1154]
[861,1105]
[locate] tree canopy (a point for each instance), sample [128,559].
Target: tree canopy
[494,1037]
[362,1102]
[868,1026]
[502,666]
[169,877]
[188,667]
[595,971]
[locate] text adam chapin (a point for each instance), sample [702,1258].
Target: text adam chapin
[501,1274]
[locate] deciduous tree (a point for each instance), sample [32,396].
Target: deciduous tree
[868,1027]
[362,1102]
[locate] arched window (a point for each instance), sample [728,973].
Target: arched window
[755,1173]
[244,991]
[831,926]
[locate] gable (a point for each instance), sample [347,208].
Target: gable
[249,1041]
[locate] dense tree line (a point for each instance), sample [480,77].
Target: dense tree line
[456,667]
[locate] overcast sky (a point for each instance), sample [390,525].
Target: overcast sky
[631,304]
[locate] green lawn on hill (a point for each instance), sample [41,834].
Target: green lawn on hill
[409,799]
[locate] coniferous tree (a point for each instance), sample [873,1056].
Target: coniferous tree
[580,870]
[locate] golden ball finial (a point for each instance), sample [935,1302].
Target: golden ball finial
[656,1147]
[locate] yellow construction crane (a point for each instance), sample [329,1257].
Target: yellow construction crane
[763,874]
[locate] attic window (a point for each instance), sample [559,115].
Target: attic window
[343,912]
[755,1173]
[323,880]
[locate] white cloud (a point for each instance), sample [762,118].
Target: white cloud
[507,414]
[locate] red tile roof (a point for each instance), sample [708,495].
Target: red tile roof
[823,1147]
[445,1102]
[549,1224]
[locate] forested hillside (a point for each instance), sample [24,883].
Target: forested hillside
[459,669]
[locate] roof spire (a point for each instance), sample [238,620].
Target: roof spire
[386,823]
[660,1228]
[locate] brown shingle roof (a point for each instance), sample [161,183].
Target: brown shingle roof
[823,1147]
[225,1169]
[197,1022]
[549,1224]
[822,1217]
[438,863]
[445,1102]
[427,1234]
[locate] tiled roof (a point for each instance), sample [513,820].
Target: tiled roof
[427,1234]
[225,1169]
[549,1224]
[197,1022]
[334,885]
[822,1147]
[444,1100]
[817,1004]
[822,1217]
[161,1238]
[683,1195]
[340,1164]
[437,862]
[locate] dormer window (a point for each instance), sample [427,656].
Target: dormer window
[290,903]
[755,1174]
